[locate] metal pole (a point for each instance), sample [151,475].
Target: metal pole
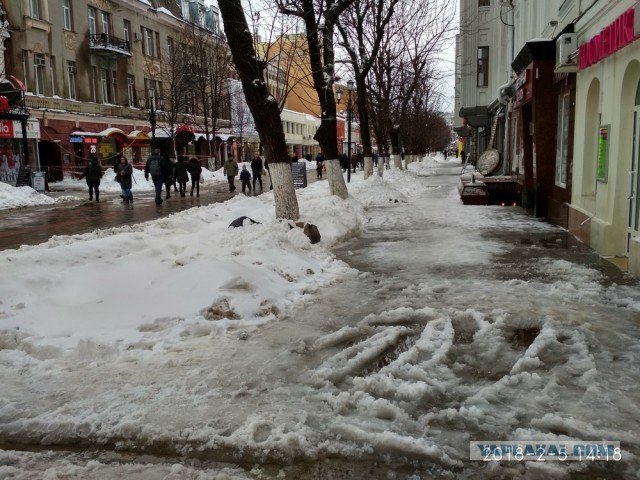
[152,120]
[349,137]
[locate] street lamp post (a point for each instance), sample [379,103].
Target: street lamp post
[350,85]
[339,92]
[150,104]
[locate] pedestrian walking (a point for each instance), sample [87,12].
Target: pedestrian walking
[354,161]
[231,170]
[319,165]
[93,174]
[168,175]
[181,175]
[154,168]
[195,170]
[344,162]
[256,171]
[375,158]
[124,174]
[245,178]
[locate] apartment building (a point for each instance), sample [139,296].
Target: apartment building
[88,65]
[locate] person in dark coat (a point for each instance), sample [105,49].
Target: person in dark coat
[93,174]
[168,168]
[154,167]
[181,175]
[195,170]
[124,174]
[344,162]
[245,178]
[319,165]
[256,171]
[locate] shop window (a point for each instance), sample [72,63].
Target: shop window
[483,66]
[562,140]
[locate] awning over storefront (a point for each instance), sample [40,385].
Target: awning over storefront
[185,133]
[534,50]
[111,132]
[463,131]
[476,116]
[138,135]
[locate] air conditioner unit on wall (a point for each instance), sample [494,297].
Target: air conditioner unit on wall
[567,53]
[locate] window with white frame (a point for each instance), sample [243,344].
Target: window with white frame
[148,42]
[34,7]
[72,92]
[131,90]
[39,64]
[562,140]
[92,21]
[66,15]
[93,84]
[53,76]
[483,66]
[105,20]
[104,85]
[126,27]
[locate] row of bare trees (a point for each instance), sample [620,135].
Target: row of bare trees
[391,50]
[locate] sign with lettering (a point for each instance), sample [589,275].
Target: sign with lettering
[299,172]
[615,36]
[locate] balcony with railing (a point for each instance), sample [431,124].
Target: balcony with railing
[106,44]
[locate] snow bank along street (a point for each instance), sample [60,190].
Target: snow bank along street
[180,348]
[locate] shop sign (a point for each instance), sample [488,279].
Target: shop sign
[524,86]
[38,181]
[6,129]
[75,139]
[615,36]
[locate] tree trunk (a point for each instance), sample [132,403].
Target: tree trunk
[263,107]
[368,167]
[336,178]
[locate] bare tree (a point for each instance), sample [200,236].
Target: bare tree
[319,21]
[263,107]
[410,40]
[362,31]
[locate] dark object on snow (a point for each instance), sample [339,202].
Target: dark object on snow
[310,230]
[239,222]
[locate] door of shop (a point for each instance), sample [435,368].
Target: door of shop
[633,228]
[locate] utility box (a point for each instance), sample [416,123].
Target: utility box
[567,53]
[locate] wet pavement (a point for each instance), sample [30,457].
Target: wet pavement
[494,328]
[34,225]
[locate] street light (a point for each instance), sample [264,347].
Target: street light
[150,104]
[339,92]
[350,85]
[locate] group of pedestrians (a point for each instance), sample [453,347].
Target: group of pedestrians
[161,170]
[164,173]
[259,168]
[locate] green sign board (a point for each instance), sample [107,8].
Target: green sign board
[603,153]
